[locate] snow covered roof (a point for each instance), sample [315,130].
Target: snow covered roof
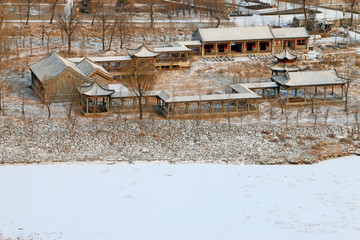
[164,95]
[172,49]
[286,54]
[142,52]
[102,59]
[298,32]
[233,34]
[309,78]
[215,97]
[255,85]
[190,43]
[51,66]
[88,68]
[286,67]
[94,89]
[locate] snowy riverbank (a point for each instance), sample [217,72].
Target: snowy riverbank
[182,201]
[111,140]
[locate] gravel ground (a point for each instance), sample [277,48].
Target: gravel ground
[37,140]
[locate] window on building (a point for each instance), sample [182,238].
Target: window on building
[301,42]
[175,55]
[115,64]
[236,47]
[250,46]
[105,65]
[209,48]
[264,46]
[164,55]
[222,48]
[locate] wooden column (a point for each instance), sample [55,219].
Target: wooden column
[304,94]
[87,105]
[324,93]
[199,107]
[237,105]
[229,47]
[332,90]
[342,92]
[265,93]
[315,91]
[94,106]
[245,46]
[186,107]
[216,49]
[258,46]
[287,95]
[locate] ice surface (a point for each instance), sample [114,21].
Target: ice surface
[189,201]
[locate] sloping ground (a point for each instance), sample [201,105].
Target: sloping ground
[187,201]
[121,140]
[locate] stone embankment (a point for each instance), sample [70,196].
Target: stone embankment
[59,140]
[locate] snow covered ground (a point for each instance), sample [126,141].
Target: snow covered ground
[187,201]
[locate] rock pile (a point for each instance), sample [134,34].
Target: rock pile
[59,140]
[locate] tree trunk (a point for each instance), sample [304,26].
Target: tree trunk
[28,12]
[69,44]
[352,13]
[49,111]
[53,11]
[140,107]
[218,22]
[304,9]
[152,14]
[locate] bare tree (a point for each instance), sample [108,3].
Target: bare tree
[106,23]
[2,15]
[98,5]
[352,4]
[53,6]
[140,82]
[28,11]
[49,99]
[122,27]
[217,10]
[68,24]
[351,73]
[326,116]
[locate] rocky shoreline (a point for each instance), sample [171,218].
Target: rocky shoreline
[113,140]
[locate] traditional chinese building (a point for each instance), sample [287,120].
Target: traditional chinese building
[286,61]
[250,40]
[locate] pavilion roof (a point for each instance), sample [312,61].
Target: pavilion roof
[142,52]
[309,78]
[214,97]
[286,54]
[94,90]
[286,67]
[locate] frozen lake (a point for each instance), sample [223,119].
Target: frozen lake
[188,201]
